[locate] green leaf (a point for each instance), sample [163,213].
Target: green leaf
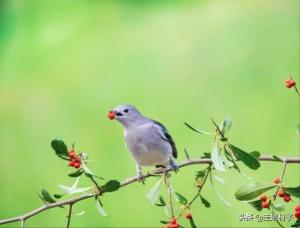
[250,191]
[154,192]
[277,158]
[248,159]
[197,130]
[192,223]
[60,149]
[46,196]
[225,125]
[180,198]
[77,173]
[296,224]
[256,204]
[111,186]
[100,208]
[255,154]
[278,206]
[205,155]
[163,222]
[204,201]
[216,157]
[161,202]
[294,191]
[58,196]
[200,174]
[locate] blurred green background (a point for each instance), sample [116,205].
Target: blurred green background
[64,64]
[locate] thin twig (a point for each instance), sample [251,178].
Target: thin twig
[127,182]
[198,192]
[166,178]
[281,178]
[69,215]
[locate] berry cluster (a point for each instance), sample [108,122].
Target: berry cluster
[172,224]
[75,160]
[286,197]
[297,212]
[289,83]
[264,201]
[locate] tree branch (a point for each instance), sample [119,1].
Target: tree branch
[70,202]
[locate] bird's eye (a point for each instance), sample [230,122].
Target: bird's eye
[126,110]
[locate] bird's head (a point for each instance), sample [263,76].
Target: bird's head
[125,114]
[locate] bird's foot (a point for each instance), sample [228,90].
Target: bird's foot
[174,166]
[141,178]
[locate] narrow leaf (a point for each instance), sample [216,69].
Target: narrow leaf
[294,191]
[60,149]
[225,125]
[164,222]
[278,206]
[58,196]
[245,157]
[86,169]
[277,158]
[154,192]
[180,198]
[100,209]
[192,223]
[205,155]
[255,154]
[256,204]
[218,193]
[77,173]
[111,186]
[161,202]
[46,196]
[79,213]
[219,179]
[216,158]
[204,201]
[197,130]
[250,191]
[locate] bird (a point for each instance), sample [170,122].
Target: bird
[148,140]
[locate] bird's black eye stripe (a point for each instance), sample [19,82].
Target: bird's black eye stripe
[126,110]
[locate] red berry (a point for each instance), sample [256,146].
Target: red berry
[111,115]
[297,208]
[287,198]
[78,159]
[76,165]
[277,180]
[188,215]
[173,221]
[71,163]
[72,154]
[265,204]
[289,83]
[297,214]
[263,198]
[281,193]
[176,225]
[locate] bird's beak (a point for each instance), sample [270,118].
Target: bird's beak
[111,115]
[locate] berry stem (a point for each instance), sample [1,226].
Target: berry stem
[198,192]
[69,215]
[281,178]
[166,178]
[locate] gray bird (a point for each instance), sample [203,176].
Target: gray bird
[148,140]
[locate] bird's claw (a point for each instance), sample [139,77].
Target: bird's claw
[174,166]
[141,178]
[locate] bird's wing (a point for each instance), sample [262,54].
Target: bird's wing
[163,132]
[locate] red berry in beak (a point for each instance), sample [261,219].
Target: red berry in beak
[111,115]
